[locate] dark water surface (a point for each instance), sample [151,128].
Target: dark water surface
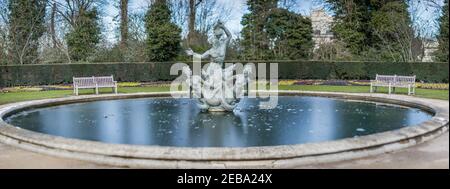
[170,122]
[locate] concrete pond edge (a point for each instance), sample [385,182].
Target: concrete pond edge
[285,156]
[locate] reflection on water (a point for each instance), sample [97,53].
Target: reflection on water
[169,122]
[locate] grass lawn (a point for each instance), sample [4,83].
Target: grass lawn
[425,93]
[35,95]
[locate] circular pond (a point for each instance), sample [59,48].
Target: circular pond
[179,123]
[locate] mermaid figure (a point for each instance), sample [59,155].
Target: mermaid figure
[218,88]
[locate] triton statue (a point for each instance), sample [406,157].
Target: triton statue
[217,89]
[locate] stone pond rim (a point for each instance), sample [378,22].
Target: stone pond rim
[285,156]
[166,121]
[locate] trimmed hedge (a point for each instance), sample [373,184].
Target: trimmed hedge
[145,72]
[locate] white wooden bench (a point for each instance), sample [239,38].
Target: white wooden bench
[94,83]
[393,81]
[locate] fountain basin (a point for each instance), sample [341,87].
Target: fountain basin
[277,155]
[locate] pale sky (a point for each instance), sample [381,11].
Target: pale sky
[425,19]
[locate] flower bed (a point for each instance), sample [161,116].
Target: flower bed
[436,86]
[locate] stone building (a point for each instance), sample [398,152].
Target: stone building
[429,47]
[321,24]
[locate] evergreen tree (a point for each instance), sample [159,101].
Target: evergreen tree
[275,33]
[84,36]
[290,35]
[163,39]
[351,25]
[374,29]
[26,22]
[255,42]
[442,52]
[392,34]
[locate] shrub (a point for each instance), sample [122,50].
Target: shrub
[151,72]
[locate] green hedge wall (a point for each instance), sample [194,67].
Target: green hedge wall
[144,72]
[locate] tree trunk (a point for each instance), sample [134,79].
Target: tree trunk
[123,23]
[52,26]
[191,23]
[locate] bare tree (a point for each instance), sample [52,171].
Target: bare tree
[70,10]
[404,39]
[136,27]
[53,25]
[64,14]
[180,10]
[412,38]
[422,25]
[23,35]
[137,36]
[207,12]
[3,31]
[52,48]
[57,27]
[437,4]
